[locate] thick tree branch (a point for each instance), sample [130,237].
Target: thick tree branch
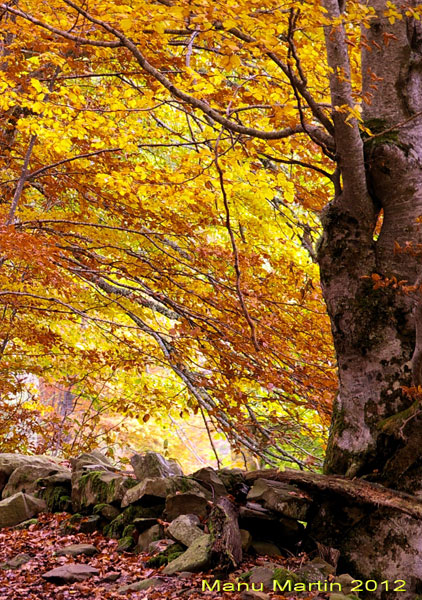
[349,145]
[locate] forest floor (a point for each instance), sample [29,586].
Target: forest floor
[42,540]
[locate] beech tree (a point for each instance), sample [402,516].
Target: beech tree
[322,102]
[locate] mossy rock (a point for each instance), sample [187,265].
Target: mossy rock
[26,524]
[98,487]
[163,558]
[126,544]
[107,511]
[127,517]
[283,575]
[56,498]
[128,530]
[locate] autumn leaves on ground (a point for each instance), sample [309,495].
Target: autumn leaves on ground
[152,532]
[41,542]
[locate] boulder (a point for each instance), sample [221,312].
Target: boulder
[25,478]
[266,525]
[144,584]
[18,508]
[211,481]
[107,511]
[98,487]
[80,524]
[128,516]
[309,572]
[266,548]
[153,534]
[112,576]
[282,498]
[126,544]
[246,539]
[77,549]
[9,462]
[323,566]
[143,524]
[70,574]
[150,490]
[233,480]
[16,562]
[56,491]
[186,504]
[160,546]
[262,575]
[152,464]
[166,556]
[196,558]
[185,529]
[252,595]
[89,459]
[347,582]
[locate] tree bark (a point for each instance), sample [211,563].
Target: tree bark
[226,550]
[376,426]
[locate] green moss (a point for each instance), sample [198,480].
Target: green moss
[103,490]
[126,544]
[163,558]
[282,575]
[128,530]
[99,507]
[245,576]
[391,425]
[56,498]
[116,528]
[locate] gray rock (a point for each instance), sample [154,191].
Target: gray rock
[152,464]
[70,574]
[246,539]
[16,562]
[186,504]
[98,487]
[266,548]
[142,524]
[152,534]
[251,595]
[112,576]
[282,498]
[264,575]
[89,524]
[184,529]
[18,508]
[160,546]
[323,566]
[125,544]
[26,524]
[310,573]
[25,478]
[107,511]
[89,459]
[144,584]
[347,582]
[9,462]
[196,558]
[77,549]
[212,482]
[231,478]
[149,490]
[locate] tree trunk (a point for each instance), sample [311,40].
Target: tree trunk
[376,426]
[226,550]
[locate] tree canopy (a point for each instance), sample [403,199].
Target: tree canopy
[165,165]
